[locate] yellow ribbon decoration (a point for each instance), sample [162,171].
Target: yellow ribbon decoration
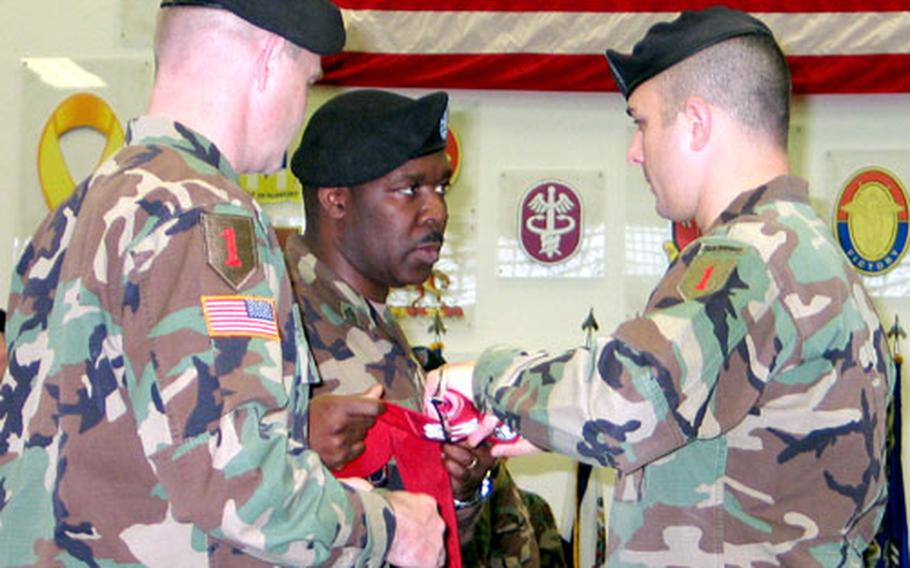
[82,110]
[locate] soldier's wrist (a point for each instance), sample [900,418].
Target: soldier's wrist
[481,494]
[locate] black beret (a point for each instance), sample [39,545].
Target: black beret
[315,25]
[362,135]
[668,43]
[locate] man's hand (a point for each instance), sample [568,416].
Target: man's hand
[519,447]
[339,423]
[484,430]
[467,466]
[419,531]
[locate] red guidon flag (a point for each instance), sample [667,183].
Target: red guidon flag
[834,46]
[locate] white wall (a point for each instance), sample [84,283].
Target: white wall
[47,28]
[507,131]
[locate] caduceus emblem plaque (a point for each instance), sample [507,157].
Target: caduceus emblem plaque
[549,221]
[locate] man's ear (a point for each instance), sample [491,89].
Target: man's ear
[699,121]
[334,201]
[270,50]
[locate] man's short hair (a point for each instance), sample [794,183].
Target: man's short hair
[316,25]
[747,76]
[180,30]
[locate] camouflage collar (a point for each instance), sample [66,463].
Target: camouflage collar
[159,131]
[331,290]
[781,188]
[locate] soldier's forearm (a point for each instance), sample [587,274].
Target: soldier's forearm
[248,489]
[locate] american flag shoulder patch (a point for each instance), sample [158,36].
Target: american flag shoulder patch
[240,316]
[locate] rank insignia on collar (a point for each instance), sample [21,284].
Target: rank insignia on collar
[709,271]
[230,247]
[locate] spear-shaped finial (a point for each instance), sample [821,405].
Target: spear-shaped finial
[437,327]
[895,334]
[589,326]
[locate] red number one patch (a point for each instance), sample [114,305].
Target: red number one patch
[230,240]
[703,283]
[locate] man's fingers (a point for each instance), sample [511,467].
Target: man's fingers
[340,423]
[487,425]
[356,425]
[520,447]
[459,470]
[357,448]
[364,405]
[374,391]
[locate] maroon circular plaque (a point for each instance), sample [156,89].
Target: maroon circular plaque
[549,222]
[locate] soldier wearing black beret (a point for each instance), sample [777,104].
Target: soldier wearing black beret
[375,175]
[745,408]
[363,135]
[668,43]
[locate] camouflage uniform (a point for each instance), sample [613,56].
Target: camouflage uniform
[745,409]
[129,434]
[357,344]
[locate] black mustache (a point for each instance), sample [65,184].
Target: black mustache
[434,237]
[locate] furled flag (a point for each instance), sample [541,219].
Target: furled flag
[589,528]
[889,548]
[833,46]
